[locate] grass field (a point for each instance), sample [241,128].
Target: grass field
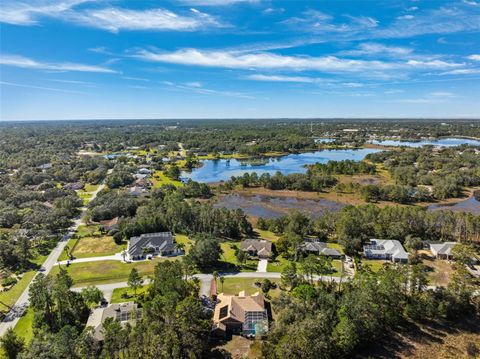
[10,297]
[24,326]
[97,246]
[228,256]
[159,179]
[183,239]
[103,272]
[374,264]
[117,295]
[236,285]
[279,264]
[266,235]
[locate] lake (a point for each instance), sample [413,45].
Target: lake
[274,207]
[470,205]
[442,142]
[223,170]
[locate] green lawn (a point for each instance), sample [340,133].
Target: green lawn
[97,246]
[228,256]
[70,244]
[117,295]
[87,230]
[24,326]
[103,272]
[236,285]
[279,264]
[266,235]
[183,239]
[159,179]
[10,296]
[374,264]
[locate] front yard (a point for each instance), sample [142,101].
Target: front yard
[103,272]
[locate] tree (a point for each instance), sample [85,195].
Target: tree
[11,344]
[135,281]
[222,280]
[241,257]
[205,252]
[92,295]
[289,276]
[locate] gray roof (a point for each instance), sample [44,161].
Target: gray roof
[442,248]
[386,246]
[257,245]
[321,248]
[122,312]
[163,240]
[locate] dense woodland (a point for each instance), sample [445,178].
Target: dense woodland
[45,166]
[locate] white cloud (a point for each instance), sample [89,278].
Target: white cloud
[474,57]
[442,94]
[111,18]
[26,12]
[116,19]
[461,72]
[282,78]
[268,60]
[194,84]
[373,48]
[6,83]
[274,10]
[216,2]
[27,63]
[405,17]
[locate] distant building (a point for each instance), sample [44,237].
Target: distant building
[110,224]
[320,248]
[257,248]
[123,313]
[152,244]
[240,314]
[137,191]
[144,171]
[75,186]
[442,250]
[386,249]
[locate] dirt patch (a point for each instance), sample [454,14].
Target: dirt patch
[240,347]
[439,270]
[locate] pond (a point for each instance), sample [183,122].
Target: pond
[442,142]
[470,205]
[222,170]
[274,207]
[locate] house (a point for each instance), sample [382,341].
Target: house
[442,250]
[144,171]
[152,244]
[240,314]
[136,191]
[122,312]
[257,248]
[386,249]
[110,224]
[320,248]
[75,186]
[142,182]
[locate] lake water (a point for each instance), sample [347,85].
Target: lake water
[470,205]
[443,142]
[222,170]
[274,207]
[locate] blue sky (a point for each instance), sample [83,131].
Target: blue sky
[80,59]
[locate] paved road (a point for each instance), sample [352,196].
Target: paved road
[114,257]
[19,308]
[205,280]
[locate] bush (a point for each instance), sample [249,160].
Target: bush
[9,281]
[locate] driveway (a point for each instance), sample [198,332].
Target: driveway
[262,265]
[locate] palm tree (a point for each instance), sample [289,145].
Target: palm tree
[222,280]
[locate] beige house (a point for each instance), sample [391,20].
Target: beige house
[257,248]
[240,314]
